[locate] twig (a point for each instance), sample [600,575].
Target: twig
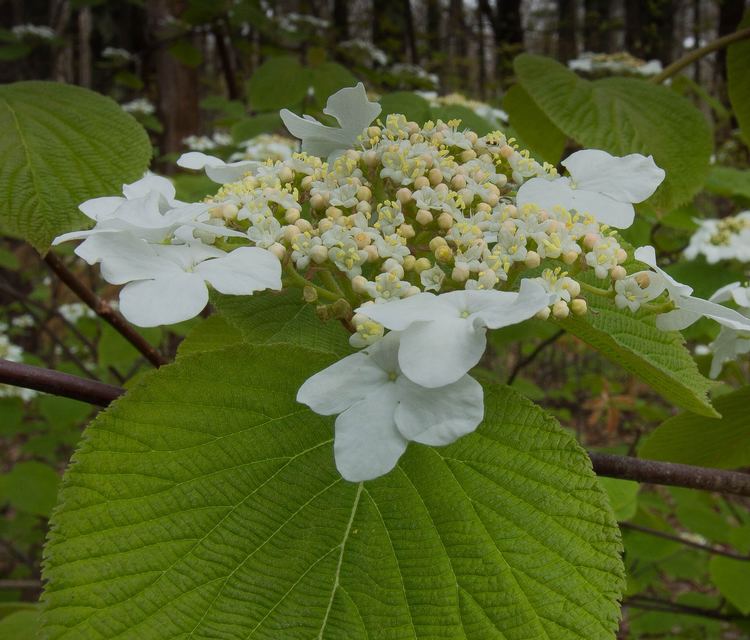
[656,472]
[57,383]
[655,604]
[533,355]
[691,57]
[20,584]
[684,541]
[670,473]
[104,310]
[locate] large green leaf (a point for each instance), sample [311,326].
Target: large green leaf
[657,357]
[327,78]
[279,82]
[625,115]
[281,317]
[731,578]
[738,80]
[728,181]
[205,504]
[413,106]
[691,439]
[535,130]
[61,145]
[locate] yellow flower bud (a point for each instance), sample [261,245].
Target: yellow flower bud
[421,182]
[579,307]
[291,215]
[445,220]
[424,216]
[444,253]
[303,225]
[422,264]
[560,310]
[435,176]
[437,241]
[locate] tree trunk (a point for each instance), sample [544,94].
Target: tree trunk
[341,20]
[597,29]
[389,28]
[177,101]
[566,30]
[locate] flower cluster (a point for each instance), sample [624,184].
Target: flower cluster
[731,341]
[725,239]
[41,32]
[208,143]
[139,106]
[266,146]
[614,63]
[494,116]
[419,237]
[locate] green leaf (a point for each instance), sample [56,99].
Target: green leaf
[205,503]
[469,119]
[14,51]
[327,78]
[729,182]
[211,334]
[622,116]
[21,625]
[691,439]
[738,80]
[281,317]
[255,125]
[31,487]
[413,106]
[62,145]
[186,53]
[279,82]
[657,357]
[535,130]
[731,578]
[623,496]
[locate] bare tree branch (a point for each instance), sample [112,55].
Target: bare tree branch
[57,383]
[684,541]
[103,310]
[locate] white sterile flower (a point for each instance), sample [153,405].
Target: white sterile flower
[215,168]
[444,335]
[729,344]
[689,308]
[354,113]
[380,410]
[603,185]
[167,283]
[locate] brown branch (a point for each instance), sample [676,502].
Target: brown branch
[653,471]
[655,604]
[533,355]
[684,541]
[103,310]
[670,473]
[20,584]
[57,383]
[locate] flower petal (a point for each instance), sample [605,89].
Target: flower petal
[123,257]
[677,290]
[631,178]
[148,184]
[317,139]
[352,109]
[342,385]
[242,271]
[367,442]
[215,168]
[168,299]
[692,309]
[442,415]
[546,194]
[101,208]
[605,209]
[502,308]
[438,353]
[399,314]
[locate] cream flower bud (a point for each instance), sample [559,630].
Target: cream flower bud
[484,207]
[560,310]
[422,264]
[643,280]
[278,250]
[393,267]
[471,137]
[403,195]
[444,253]
[334,212]
[319,254]
[506,151]
[617,273]
[579,307]
[460,274]
[303,225]
[569,257]
[424,216]
[445,220]
[309,293]
[370,158]
[412,291]
[467,155]
[306,183]
[621,255]
[325,225]
[373,132]
[291,215]
[364,193]
[573,287]
[442,189]
[372,253]
[409,262]
[290,232]
[542,314]
[362,239]
[421,182]
[458,181]
[359,285]
[590,240]
[435,176]
[492,199]
[286,175]
[364,207]
[317,201]
[437,241]
[406,231]
[532,260]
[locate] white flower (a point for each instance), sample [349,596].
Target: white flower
[381,410]
[444,336]
[689,308]
[167,283]
[603,185]
[353,111]
[139,105]
[215,168]
[432,279]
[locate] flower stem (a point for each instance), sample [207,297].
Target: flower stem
[299,280]
[605,293]
[696,55]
